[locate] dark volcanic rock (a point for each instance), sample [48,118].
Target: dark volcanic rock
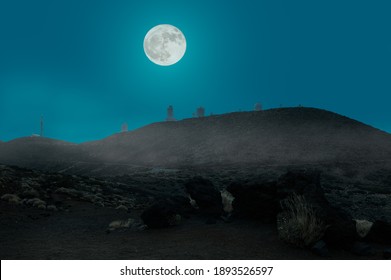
[210,221]
[302,182]
[320,249]
[182,205]
[362,249]
[255,200]
[341,231]
[380,233]
[206,195]
[163,213]
[387,253]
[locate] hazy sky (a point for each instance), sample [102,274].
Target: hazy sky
[81,63]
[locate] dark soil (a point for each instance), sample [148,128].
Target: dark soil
[81,233]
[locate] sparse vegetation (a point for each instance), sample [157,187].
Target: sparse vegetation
[68,191]
[11,198]
[299,223]
[174,220]
[36,202]
[30,193]
[41,206]
[122,208]
[93,198]
[120,224]
[51,208]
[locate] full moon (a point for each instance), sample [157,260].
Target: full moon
[164,44]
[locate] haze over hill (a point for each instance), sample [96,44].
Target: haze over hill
[275,136]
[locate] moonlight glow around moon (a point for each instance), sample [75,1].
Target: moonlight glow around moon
[164,44]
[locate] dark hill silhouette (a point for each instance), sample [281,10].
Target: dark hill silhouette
[276,136]
[288,135]
[38,151]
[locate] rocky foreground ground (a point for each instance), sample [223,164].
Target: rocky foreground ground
[149,214]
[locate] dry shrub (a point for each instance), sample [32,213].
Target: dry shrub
[11,198]
[51,207]
[35,202]
[299,223]
[120,224]
[174,220]
[30,193]
[41,206]
[122,208]
[93,198]
[67,191]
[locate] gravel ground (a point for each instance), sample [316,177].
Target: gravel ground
[81,233]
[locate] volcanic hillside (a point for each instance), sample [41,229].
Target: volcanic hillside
[38,151]
[289,135]
[276,136]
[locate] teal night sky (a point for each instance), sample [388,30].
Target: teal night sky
[81,64]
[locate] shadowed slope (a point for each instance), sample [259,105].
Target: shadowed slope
[37,151]
[290,135]
[276,136]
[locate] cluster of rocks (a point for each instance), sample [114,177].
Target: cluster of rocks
[49,191]
[262,200]
[203,199]
[257,198]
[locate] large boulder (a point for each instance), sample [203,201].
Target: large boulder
[320,249]
[206,195]
[163,213]
[255,200]
[387,253]
[380,232]
[302,182]
[182,205]
[341,231]
[362,249]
